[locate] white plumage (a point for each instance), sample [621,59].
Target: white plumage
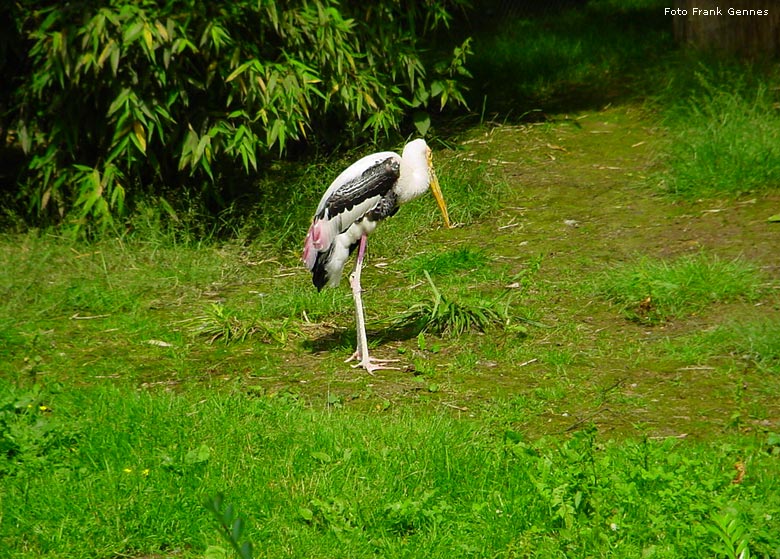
[368,191]
[337,230]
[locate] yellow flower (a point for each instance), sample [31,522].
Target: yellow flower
[145,472]
[128,470]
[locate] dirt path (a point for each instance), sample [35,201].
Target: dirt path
[581,199]
[580,183]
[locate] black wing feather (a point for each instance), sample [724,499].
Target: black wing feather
[377,180]
[319,276]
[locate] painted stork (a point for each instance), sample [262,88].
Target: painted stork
[368,191]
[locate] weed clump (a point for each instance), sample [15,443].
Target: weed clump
[754,342]
[442,315]
[219,323]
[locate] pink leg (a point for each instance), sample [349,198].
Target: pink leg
[365,361]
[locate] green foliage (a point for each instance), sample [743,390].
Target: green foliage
[757,341]
[30,437]
[653,291]
[230,525]
[733,543]
[229,326]
[725,135]
[314,483]
[219,323]
[416,513]
[322,462]
[128,98]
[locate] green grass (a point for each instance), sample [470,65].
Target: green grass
[316,483]
[219,323]
[753,343]
[575,59]
[720,114]
[652,291]
[724,135]
[460,260]
[142,376]
[110,443]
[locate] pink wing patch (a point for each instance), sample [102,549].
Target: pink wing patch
[309,253]
[318,239]
[321,234]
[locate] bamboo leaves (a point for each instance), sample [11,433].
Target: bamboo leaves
[151,100]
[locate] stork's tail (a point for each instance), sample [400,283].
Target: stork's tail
[319,272]
[329,264]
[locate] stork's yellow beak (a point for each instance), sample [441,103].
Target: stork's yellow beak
[436,189]
[440,200]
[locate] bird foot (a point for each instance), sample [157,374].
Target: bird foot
[371,364]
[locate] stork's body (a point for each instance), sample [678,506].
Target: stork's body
[368,191]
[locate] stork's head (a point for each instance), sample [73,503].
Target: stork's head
[418,175]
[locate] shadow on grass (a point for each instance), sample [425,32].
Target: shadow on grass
[340,339]
[574,59]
